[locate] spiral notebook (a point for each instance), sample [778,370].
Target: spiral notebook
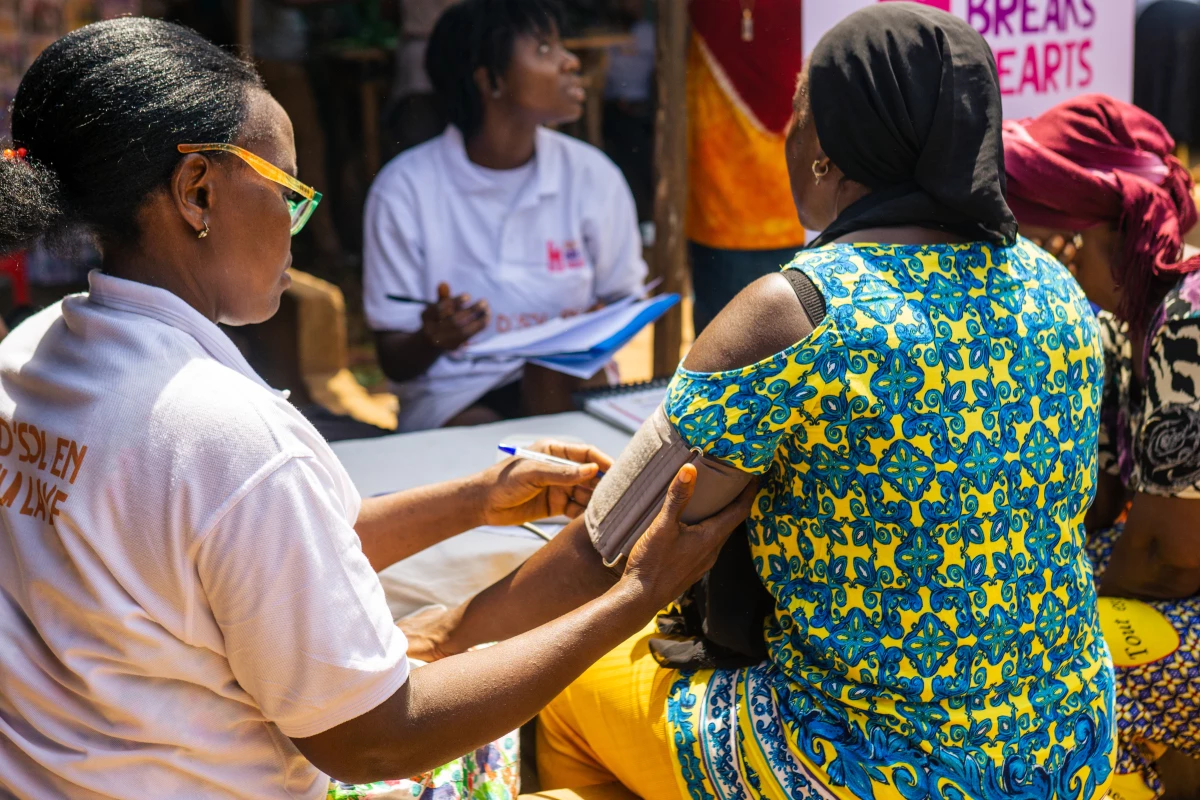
[627,406]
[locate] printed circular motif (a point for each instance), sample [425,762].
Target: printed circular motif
[1170,453]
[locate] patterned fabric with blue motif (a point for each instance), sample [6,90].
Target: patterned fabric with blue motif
[927,454]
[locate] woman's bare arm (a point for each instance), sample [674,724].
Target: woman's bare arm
[396,526]
[563,575]
[764,319]
[457,704]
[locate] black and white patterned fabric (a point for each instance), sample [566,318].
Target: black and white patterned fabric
[1150,430]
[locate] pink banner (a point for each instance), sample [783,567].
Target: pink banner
[1046,50]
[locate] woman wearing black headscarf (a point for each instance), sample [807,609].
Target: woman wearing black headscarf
[919,392]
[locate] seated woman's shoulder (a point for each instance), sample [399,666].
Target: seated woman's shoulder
[414,164]
[765,318]
[1182,303]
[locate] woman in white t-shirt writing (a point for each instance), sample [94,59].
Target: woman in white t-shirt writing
[495,225]
[188,599]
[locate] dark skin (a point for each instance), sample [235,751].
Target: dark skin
[1156,557]
[235,275]
[541,87]
[460,702]
[762,320]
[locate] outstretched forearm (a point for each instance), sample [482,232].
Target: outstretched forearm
[508,493]
[563,575]
[402,524]
[452,704]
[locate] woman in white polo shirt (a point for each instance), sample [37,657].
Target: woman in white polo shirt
[495,225]
[188,599]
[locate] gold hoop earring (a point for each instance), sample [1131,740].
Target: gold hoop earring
[820,170]
[203,233]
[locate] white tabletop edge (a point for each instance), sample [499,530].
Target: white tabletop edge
[408,460]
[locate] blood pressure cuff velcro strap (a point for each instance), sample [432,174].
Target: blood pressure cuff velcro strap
[631,494]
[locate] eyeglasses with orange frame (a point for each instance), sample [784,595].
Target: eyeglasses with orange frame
[301,209]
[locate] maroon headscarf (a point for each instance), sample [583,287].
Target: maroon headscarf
[1093,160]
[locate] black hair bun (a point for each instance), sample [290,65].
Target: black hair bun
[101,111]
[30,202]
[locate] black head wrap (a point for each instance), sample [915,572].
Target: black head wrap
[906,101]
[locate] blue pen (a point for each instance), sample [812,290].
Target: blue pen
[541,458]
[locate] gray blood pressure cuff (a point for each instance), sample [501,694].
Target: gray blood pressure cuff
[718,622]
[631,494]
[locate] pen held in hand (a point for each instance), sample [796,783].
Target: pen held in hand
[542,458]
[402,299]
[534,529]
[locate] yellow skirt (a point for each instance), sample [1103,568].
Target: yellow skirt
[611,725]
[609,728]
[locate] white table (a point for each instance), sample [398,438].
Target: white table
[453,571]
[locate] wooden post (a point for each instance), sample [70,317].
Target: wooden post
[244,25]
[372,148]
[670,189]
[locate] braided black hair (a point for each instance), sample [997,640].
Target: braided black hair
[99,114]
[480,33]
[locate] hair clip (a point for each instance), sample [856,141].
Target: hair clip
[14,155]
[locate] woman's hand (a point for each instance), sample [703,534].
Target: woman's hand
[671,555]
[396,526]
[449,323]
[568,572]
[518,490]
[430,633]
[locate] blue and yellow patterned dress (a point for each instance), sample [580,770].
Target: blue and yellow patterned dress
[927,454]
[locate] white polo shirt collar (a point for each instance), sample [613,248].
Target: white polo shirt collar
[468,176]
[170,309]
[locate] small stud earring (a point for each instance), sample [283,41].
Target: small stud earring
[203,233]
[1077,240]
[820,170]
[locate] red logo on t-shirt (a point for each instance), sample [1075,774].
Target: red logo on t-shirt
[554,257]
[569,256]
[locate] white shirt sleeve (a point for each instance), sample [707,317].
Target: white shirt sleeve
[614,241]
[393,258]
[307,629]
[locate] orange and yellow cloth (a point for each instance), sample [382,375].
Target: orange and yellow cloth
[739,105]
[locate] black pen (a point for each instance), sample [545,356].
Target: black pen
[401,299]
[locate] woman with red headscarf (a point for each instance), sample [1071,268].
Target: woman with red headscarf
[1095,180]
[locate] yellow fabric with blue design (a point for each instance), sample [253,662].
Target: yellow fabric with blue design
[927,454]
